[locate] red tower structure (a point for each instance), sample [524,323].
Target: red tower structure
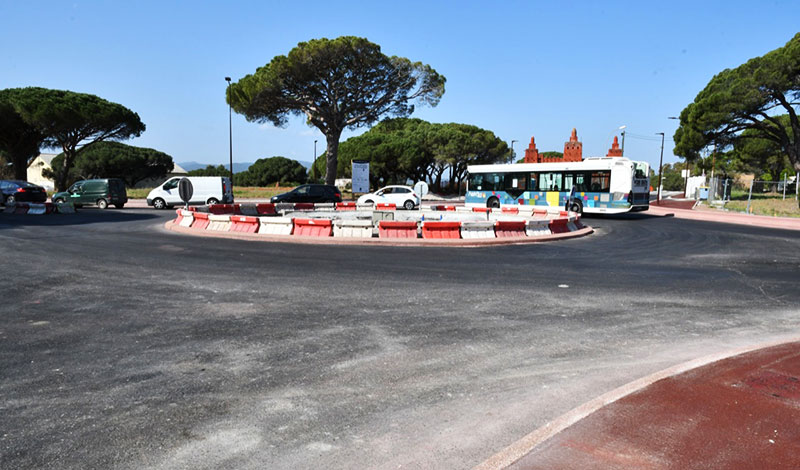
[614,151]
[573,151]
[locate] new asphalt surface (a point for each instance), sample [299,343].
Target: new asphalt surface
[125,346]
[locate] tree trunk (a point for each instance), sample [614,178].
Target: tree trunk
[63,174]
[333,156]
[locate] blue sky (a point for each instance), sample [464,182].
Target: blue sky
[520,69]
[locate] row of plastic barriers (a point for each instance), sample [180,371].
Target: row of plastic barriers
[39,209]
[370,228]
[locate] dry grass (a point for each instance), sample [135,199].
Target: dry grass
[767,206]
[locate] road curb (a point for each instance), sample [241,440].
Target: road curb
[460,243]
[516,451]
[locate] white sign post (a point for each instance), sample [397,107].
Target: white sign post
[360,171]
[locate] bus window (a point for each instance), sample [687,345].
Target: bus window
[578,179]
[532,182]
[516,182]
[550,182]
[600,181]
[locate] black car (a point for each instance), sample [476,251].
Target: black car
[310,193]
[13,191]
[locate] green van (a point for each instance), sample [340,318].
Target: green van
[99,191]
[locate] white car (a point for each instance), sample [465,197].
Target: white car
[401,196]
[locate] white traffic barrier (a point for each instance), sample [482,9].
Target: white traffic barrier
[275,225]
[365,207]
[553,212]
[477,229]
[571,223]
[36,209]
[463,209]
[352,228]
[526,211]
[248,209]
[537,228]
[219,222]
[283,207]
[324,206]
[187,218]
[65,208]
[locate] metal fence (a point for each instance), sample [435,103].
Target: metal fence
[720,189]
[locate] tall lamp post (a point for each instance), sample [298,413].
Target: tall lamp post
[660,165]
[622,128]
[512,151]
[230,129]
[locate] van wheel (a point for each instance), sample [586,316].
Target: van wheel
[493,203]
[212,201]
[60,200]
[159,203]
[102,203]
[409,205]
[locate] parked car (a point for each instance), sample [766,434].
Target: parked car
[205,190]
[401,196]
[102,192]
[13,191]
[310,193]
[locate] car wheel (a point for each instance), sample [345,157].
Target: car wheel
[576,207]
[60,200]
[409,205]
[11,200]
[212,201]
[102,204]
[368,202]
[159,203]
[493,202]
[119,206]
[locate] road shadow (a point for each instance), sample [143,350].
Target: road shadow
[81,217]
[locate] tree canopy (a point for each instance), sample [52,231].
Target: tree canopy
[210,170]
[412,149]
[337,84]
[748,98]
[19,141]
[71,121]
[117,160]
[266,171]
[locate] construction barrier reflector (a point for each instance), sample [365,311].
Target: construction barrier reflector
[313,227]
[219,223]
[304,206]
[275,226]
[345,206]
[200,220]
[397,229]
[244,224]
[441,230]
[509,228]
[477,229]
[352,228]
[384,206]
[265,209]
[537,228]
[559,225]
[248,209]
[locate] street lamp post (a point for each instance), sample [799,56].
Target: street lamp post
[230,129]
[512,151]
[660,165]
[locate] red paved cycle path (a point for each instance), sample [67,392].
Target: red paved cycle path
[742,412]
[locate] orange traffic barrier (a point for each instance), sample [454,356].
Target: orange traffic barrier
[509,228]
[559,225]
[345,206]
[221,209]
[244,224]
[313,227]
[481,209]
[304,206]
[266,209]
[510,210]
[397,229]
[385,206]
[441,230]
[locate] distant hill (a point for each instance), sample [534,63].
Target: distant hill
[237,167]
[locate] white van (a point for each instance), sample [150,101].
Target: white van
[206,190]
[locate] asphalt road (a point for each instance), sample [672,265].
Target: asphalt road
[124,346]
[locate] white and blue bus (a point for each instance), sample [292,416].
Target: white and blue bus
[604,185]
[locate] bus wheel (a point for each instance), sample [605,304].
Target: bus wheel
[576,207]
[493,203]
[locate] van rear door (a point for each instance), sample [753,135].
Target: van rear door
[227,190]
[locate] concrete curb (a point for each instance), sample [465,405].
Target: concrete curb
[461,243]
[527,444]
